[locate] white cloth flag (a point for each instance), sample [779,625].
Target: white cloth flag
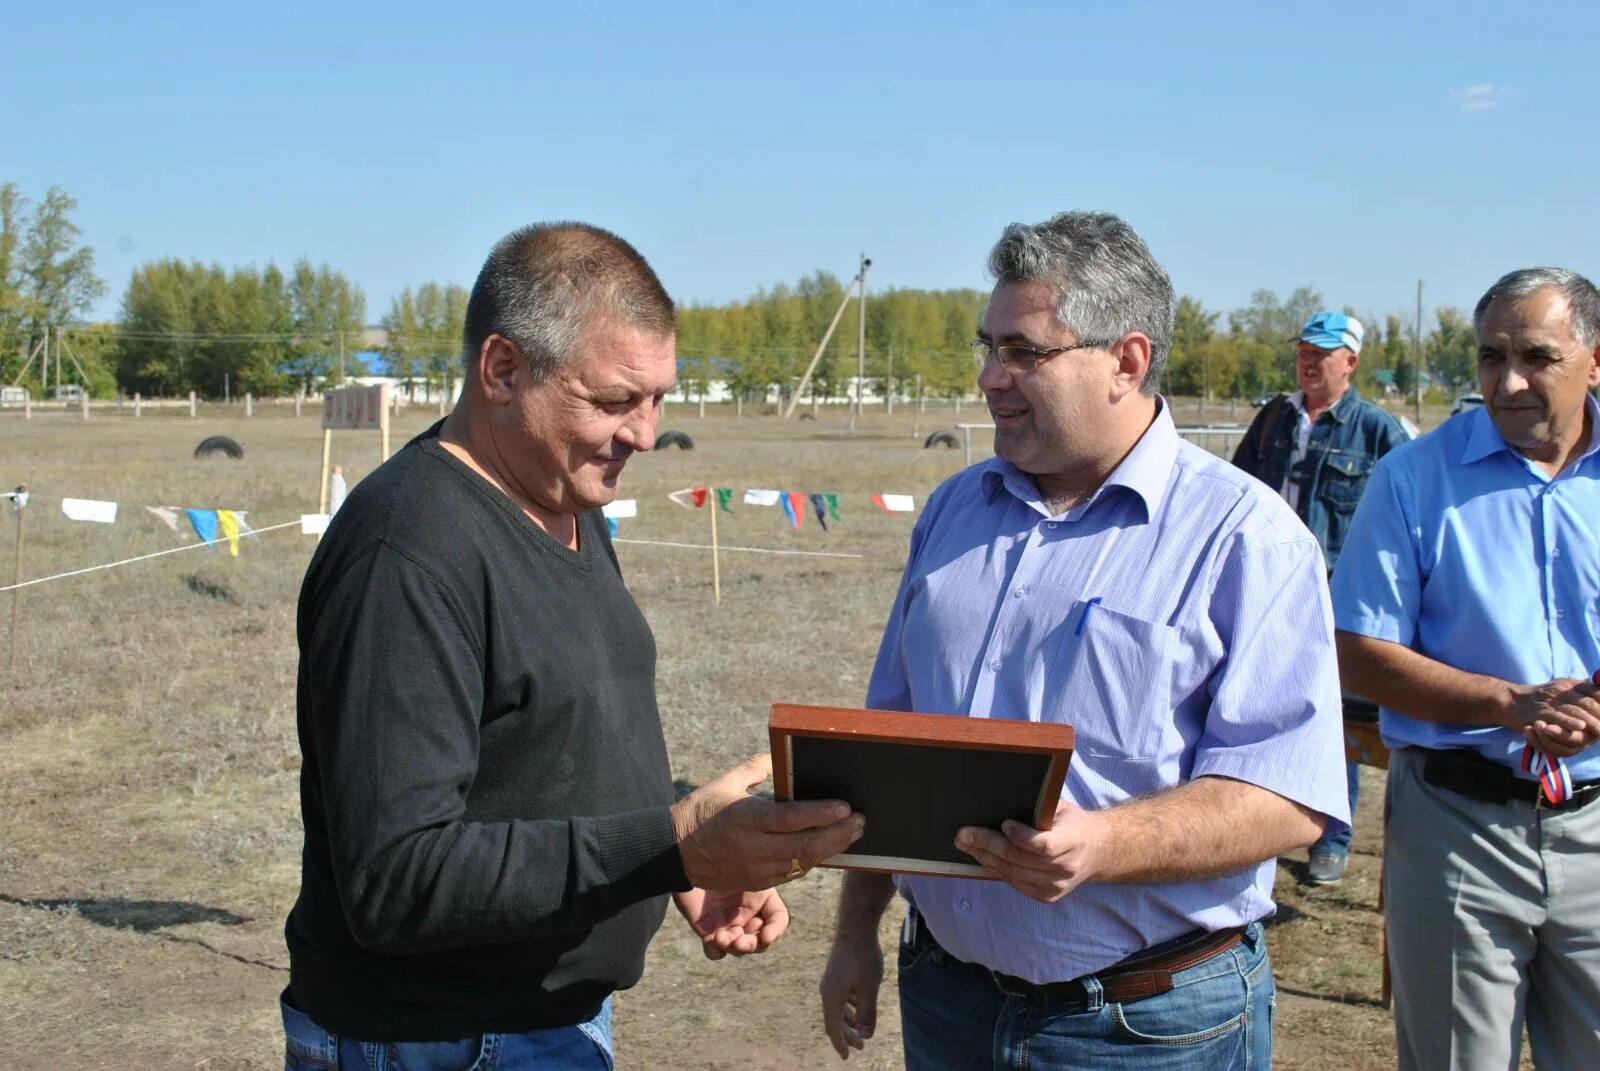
[313,523]
[896,503]
[622,507]
[168,515]
[88,509]
[761,498]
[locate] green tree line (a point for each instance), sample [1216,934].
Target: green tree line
[423,334]
[191,326]
[47,280]
[185,325]
[766,341]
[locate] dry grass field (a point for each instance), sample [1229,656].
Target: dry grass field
[148,765]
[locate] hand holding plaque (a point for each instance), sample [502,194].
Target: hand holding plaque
[730,839]
[919,779]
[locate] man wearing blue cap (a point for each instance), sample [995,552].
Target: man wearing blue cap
[1315,447]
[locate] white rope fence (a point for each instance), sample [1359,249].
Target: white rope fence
[296,523]
[746,550]
[146,557]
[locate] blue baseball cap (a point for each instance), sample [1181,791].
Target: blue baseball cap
[1330,330]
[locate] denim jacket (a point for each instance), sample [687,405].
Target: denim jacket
[1345,442]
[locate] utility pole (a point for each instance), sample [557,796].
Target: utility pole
[44,368]
[888,384]
[800,388]
[72,356]
[1416,338]
[341,358]
[861,337]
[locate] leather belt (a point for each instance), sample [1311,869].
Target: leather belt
[1469,774]
[1139,977]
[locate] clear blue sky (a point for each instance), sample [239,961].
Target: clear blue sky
[1354,147]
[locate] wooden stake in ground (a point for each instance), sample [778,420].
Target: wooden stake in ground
[716,565]
[322,484]
[384,406]
[19,502]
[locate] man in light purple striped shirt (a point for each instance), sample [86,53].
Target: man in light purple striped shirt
[1105,573]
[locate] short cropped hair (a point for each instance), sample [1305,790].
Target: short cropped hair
[543,283]
[1105,280]
[1582,298]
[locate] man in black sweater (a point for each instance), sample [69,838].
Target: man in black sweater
[490,829]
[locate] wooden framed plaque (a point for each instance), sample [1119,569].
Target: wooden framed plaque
[918,778]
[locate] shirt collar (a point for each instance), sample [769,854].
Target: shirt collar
[1484,439]
[1146,470]
[1345,407]
[1340,409]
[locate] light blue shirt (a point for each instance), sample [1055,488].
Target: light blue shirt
[1208,650]
[1466,551]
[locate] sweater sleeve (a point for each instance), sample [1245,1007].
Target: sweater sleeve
[395,679]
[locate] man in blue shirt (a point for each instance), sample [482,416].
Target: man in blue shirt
[1315,447]
[1468,606]
[1102,572]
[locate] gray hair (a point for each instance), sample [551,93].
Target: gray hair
[1582,299]
[1105,280]
[542,284]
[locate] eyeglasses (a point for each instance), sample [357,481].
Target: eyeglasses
[1016,358]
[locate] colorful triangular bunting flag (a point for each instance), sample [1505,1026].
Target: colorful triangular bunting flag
[230,529]
[794,507]
[204,522]
[689,497]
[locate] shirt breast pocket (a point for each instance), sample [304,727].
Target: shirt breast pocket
[1111,680]
[1344,476]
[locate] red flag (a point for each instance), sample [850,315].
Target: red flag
[689,497]
[794,507]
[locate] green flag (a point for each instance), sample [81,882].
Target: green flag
[724,496]
[833,505]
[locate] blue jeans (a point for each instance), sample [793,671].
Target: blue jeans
[1218,1016]
[1340,842]
[583,1047]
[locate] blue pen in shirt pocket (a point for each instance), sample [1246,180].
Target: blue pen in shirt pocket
[1109,676]
[1084,617]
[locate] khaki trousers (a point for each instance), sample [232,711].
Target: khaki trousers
[1493,914]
